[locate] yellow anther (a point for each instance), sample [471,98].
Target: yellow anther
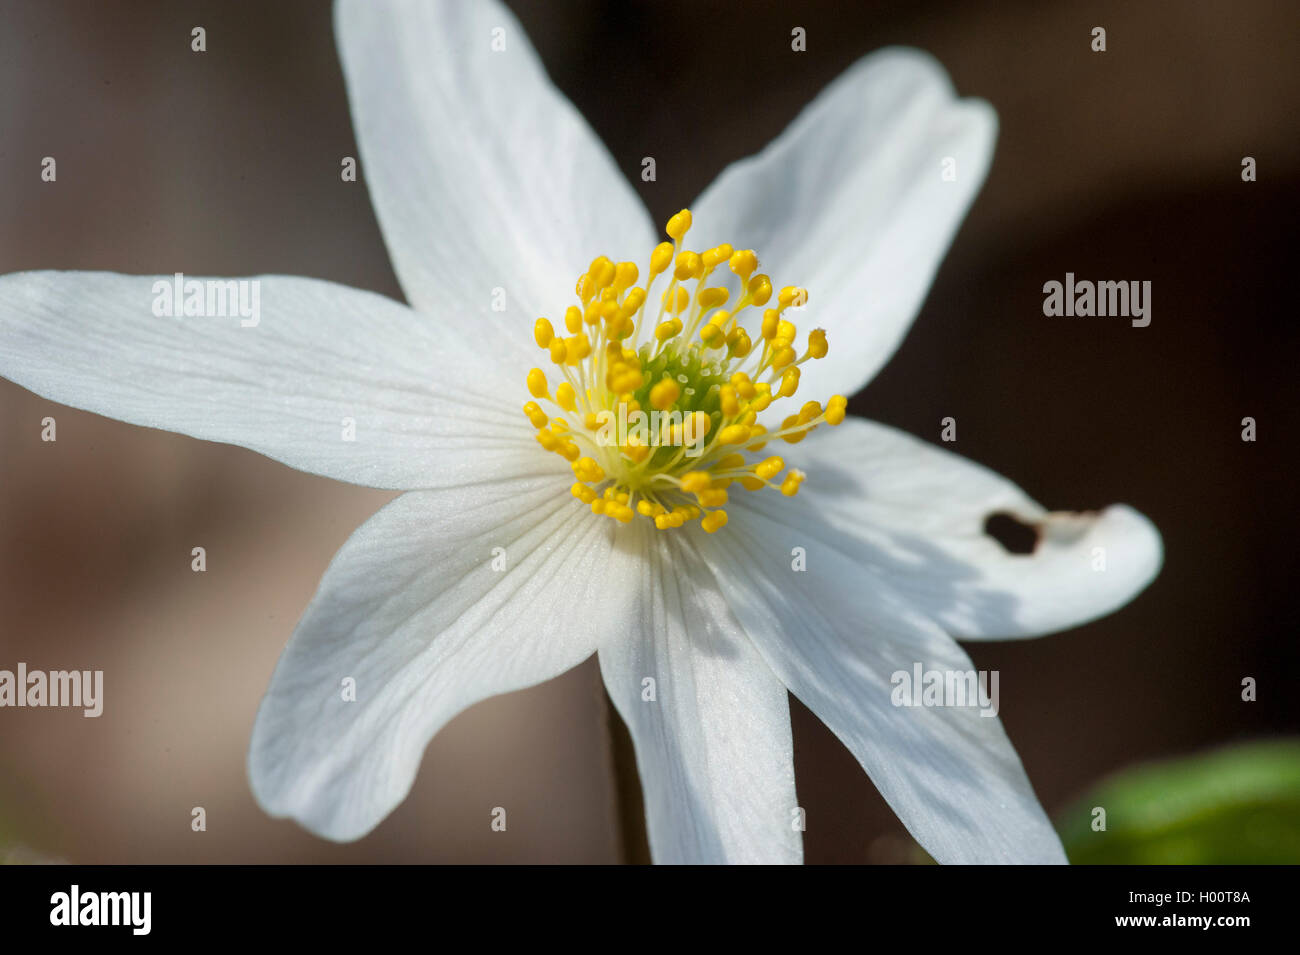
[543,332]
[633,301]
[770,467]
[794,437]
[790,486]
[693,482]
[734,434]
[586,469]
[716,256]
[625,276]
[817,346]
[583,493]
[601,272]
[636,452]
[730,406]
[624,378]
[681,298]
[665,394]
[566,397]
[537,386]
[569,450]
[689,266]
[625,384]
[548,440]
[729,462]
[712,334]
[573,319]
[591,421]
[783,356]
[617,327]
[743,263]
[758,432]
[713,297]
[789,383]
[679,224]
[809,411]
[714,521]
[738,343]
[661,258]
[771,322]
[713,497]
[668,329]
[576,348]
[760,289]
[786,332]
[536,416]
[744,387]
[695,427]
[598,506]
[792,296]
[558,350]
[835,409]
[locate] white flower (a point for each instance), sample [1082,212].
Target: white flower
[484,177]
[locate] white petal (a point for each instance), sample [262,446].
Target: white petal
[482,173]
[713,748]
[428,411]
[836,638]
[414,611]
[912,515]
[850,202]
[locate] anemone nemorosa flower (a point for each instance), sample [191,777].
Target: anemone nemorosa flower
[679,552]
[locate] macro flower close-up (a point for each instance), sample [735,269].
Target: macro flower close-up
[474,431]
[690,557]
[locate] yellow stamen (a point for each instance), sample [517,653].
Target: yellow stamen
[659,412]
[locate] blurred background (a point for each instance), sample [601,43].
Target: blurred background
[1124,164]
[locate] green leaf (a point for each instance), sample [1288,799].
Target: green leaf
[1240,805]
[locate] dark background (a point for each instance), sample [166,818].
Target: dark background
[1117,165]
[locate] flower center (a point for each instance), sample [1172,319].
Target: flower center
[662,426]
